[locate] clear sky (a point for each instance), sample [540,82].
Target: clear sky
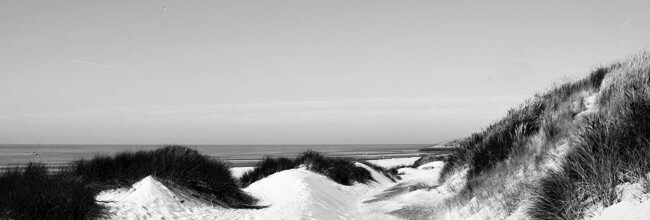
[291,72]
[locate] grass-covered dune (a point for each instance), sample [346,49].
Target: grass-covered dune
[562,153]
[340,170]
[35,193]
[176,165]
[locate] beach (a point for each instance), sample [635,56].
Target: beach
[58,156]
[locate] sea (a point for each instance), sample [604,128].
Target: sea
[59,156]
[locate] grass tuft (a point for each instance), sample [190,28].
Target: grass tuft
[428,159]
[266,167]
[505,160]
[173,164]
[608,151]
[391,172]
[340,170]
[34,193]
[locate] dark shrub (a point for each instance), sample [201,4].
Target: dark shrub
[608,151]
[450,165]
[34,193]
[173,164]
[595,79]
[428,159]
[391,173]
[502,138]
[482,151]
[265,168]
[340,170]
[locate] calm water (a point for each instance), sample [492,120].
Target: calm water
[238,155]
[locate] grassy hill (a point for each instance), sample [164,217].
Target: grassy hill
[561,153]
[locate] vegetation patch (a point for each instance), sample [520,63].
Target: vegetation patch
[340,170]
[34,193]
[391,172]
[608,151]
[505,161]
[174,164]
[551,113]
[568,155]
[266,167]
[482,151]
[428,159]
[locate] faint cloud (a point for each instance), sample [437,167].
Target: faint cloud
[619,35]
[626,23]
[94,64]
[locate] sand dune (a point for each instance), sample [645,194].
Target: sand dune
[290,194]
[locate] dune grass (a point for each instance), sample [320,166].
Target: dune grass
[549,113]
[610,153]
[482,151]
[428,159]
[564,157]
[34,193]
[486,156]
[503,137]
[340,170]
[505,161]
[264,168]
[391,172]
[611,148]
[173,164]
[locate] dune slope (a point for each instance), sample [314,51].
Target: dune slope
[289,194]
[561,154]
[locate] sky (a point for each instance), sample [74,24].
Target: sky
[291,71]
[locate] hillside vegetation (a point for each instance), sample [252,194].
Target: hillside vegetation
[340,170]
[36,193]
[561,154]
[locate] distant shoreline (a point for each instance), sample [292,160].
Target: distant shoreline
[236,156]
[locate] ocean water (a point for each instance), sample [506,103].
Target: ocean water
[237,155]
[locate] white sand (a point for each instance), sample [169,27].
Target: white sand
[386,163]
[290,194]
[237,172]
[432,165]
[393,162]
[634,204]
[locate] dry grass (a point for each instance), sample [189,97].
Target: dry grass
[510,161]
[175,164]
[609,148]
[35,193]
[340,170]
